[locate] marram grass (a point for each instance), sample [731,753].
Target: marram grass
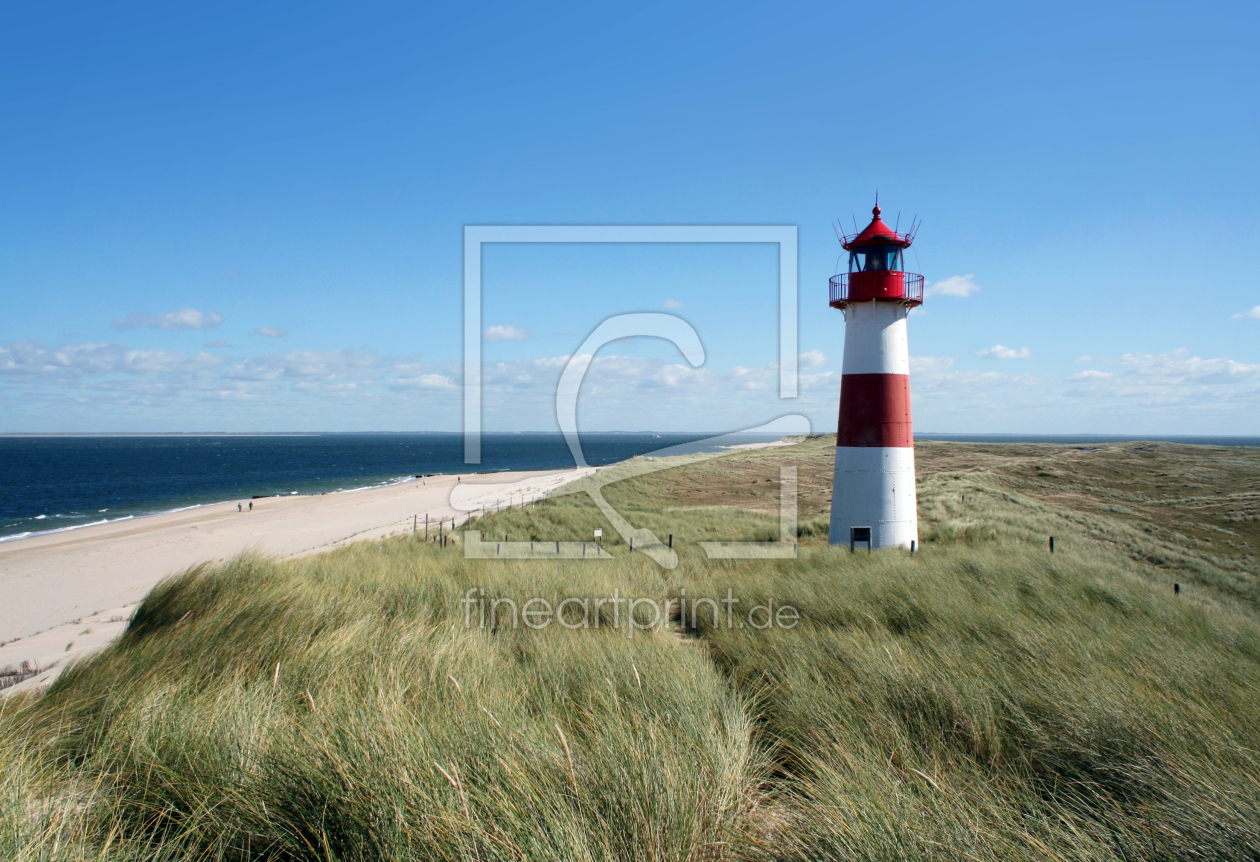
[981,700]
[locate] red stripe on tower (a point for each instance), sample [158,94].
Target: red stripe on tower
[875,410]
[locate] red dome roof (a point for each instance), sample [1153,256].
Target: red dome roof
[878,233]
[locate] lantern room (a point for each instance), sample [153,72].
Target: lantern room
[877,271]
[876,258]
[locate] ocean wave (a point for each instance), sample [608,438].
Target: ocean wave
[401,480]
[34,533]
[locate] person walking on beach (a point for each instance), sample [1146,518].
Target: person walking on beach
[251,505]
[238,507]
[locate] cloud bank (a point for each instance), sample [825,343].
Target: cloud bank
[96,387]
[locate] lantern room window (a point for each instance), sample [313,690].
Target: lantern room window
[876,258]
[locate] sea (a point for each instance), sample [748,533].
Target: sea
[51,484]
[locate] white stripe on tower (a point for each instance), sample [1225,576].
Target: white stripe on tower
[874,478]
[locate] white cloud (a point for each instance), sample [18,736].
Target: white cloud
[946,399]
[110,374]
[955,285]
[1176,368]
[435,382]
[634,391]
[217,343]
[506,333]
[1085,358]
[1174,390]
[811,359]
[185,318]
[271,331]
[1091,374]
[674,303]
[1253,314]
[936,373]
[310,365]
[33,360]
[999,351]
[930,364]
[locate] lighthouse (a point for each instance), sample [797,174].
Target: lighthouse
[872,498]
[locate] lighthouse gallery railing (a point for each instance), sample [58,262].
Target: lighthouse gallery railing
[841,292]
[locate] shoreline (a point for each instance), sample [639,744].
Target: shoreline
[34,534]
[67,593]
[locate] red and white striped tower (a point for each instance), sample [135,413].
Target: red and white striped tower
[874,480]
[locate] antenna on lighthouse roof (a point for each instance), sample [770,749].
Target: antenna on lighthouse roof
[898,224]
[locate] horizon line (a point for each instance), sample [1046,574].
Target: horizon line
[1128,436]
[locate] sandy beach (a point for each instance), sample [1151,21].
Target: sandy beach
[64,594]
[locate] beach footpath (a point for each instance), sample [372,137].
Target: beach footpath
[65,594]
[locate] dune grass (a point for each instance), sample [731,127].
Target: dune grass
[980,700]
[997,703]
[337,707]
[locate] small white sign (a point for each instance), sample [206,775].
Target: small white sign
[599,532]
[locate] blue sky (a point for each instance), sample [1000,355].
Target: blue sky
[249,217]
